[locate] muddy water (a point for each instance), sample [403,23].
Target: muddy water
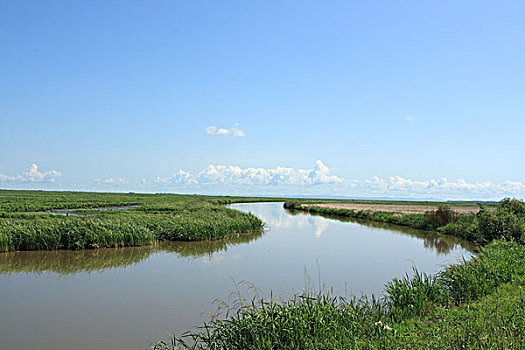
[128,298]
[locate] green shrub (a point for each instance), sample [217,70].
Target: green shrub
[513,205]
[291,205]
[440,217]
[499,224]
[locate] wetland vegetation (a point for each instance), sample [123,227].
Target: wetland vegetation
[28,219]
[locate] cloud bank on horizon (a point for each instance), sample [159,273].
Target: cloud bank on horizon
[234,175]
[279,181]
[320,181]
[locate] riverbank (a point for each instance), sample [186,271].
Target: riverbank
[29,220]
[481,226]
[478,304]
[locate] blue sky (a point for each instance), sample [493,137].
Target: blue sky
[412,99]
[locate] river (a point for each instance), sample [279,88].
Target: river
[129,297]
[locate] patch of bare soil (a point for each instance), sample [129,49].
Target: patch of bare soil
[394,208]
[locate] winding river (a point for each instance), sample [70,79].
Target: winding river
[129,297]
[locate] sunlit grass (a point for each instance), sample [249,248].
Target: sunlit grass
[26,222]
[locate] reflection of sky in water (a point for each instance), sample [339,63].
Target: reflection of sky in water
[303,221]
[126,298]
[283,220]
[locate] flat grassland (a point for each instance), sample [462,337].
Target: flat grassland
[404,208]
[395,206]
[41,220]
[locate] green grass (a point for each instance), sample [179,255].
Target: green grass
[464,307]
[27,221]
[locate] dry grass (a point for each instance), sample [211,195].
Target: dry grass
[394,208]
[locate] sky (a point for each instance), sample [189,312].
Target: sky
[401,99]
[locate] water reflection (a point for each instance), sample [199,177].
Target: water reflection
[300,220]
[441,244]
[66,262]
[87,261]
[207,248]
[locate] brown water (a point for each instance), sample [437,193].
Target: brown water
[127,298]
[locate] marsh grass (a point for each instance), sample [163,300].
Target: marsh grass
[413,295]
[502,262]
[144,220]
[71,233]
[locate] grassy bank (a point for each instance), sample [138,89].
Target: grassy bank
[505,220]
[476,304]
[29,220]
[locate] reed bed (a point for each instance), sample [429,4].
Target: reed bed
[144,220]
[71,233]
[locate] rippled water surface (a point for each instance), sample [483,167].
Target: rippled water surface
[127,298]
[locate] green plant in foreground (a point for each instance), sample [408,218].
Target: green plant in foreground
[413,295]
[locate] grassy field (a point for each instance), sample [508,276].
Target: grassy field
[36,220]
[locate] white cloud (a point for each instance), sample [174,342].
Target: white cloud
[237,176]
[411,119]
[112,181]
[235,131]
[177,178]
[32,175]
